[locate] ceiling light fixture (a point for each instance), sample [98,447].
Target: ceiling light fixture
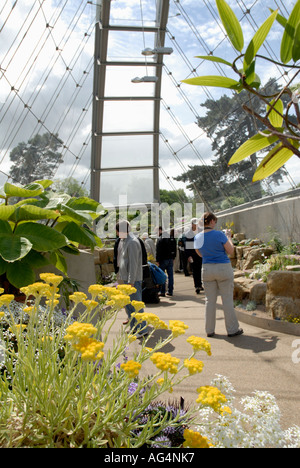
[157,50]
[145,79]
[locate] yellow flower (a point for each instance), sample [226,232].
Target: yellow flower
[177,327]
[165,362]
[200,344]
[77,297]
[1,290]
[28,310]
[131,338]
[126,289]
[47,338]
[39,289]
[19,328]
[193,365]
[195,440]
[96,290]
[51,278]
[79,330]
[211,396]
[151,319]
[6,299]
[89,348]
[161,381]
[132,368]
[138,305]
[90,304]
[2,314]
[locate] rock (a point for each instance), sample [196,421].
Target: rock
[283,294]
[257,255]
[239,236]
[258,292]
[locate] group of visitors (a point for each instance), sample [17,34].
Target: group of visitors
[205,249]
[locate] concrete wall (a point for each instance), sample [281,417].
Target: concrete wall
[282,216]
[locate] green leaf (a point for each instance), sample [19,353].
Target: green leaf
[14,247]
[3,266]
[231,25]
[31,212]
[251,146]
[45,183]
[211,58]
[6,211]
[20,274]
[276,119]
[215,81]
[58,260]
[5,228]
[296,45]
[281,19]
[73,215]
[79,234]
[43,238]
[31,190]
[84,204]
[258,39]
[286,50]
[274,160]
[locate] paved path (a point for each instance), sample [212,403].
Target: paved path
[258,360]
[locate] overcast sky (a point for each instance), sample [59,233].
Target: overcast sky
[46,61]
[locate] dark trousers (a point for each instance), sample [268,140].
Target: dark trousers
[197,271]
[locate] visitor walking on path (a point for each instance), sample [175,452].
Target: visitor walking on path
[166,249]
[129,261]
[217,273]
[192,258]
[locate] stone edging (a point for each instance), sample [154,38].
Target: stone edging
[269,324]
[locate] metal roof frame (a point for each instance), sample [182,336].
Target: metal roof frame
[102,30]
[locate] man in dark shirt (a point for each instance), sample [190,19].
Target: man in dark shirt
[166,248]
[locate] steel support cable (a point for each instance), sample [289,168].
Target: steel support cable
[4,6]
[7,18]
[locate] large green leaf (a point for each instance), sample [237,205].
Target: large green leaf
[59,261]
[258,40]
[79,234]
[73,215]
[31,212]
[274,160]
[6,211]
[215,81]
[231,25]
[276,119]
[20,274]
[84,204]
[211,58]
[14,247]
[30,190]
[43,238]
[251,146]
[296,45]
[5,228]
[286,50]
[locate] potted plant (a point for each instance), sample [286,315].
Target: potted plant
[39,229]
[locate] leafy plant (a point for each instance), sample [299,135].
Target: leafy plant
[37,230]
[281,129]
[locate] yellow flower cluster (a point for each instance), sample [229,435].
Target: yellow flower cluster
[211,396]
[79,334]
[195,440]
[193,366]
[138,305]
[126,289]
[6,299]
[165,362]
[131,368]
[161,381]
[51,278]
[200,344]
[151,319]
[177,327]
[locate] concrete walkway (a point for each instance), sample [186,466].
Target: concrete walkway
[258,360]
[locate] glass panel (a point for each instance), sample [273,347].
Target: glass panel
[128,116]
[133,13]
[127,151]
[126,187]
[128,45]
[118,81]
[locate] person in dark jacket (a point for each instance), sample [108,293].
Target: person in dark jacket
[166,248]
[194,260]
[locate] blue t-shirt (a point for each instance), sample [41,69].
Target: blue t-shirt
[211,246]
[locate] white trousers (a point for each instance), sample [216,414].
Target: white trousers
[218,279]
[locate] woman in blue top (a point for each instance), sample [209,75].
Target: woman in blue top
[217,274]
